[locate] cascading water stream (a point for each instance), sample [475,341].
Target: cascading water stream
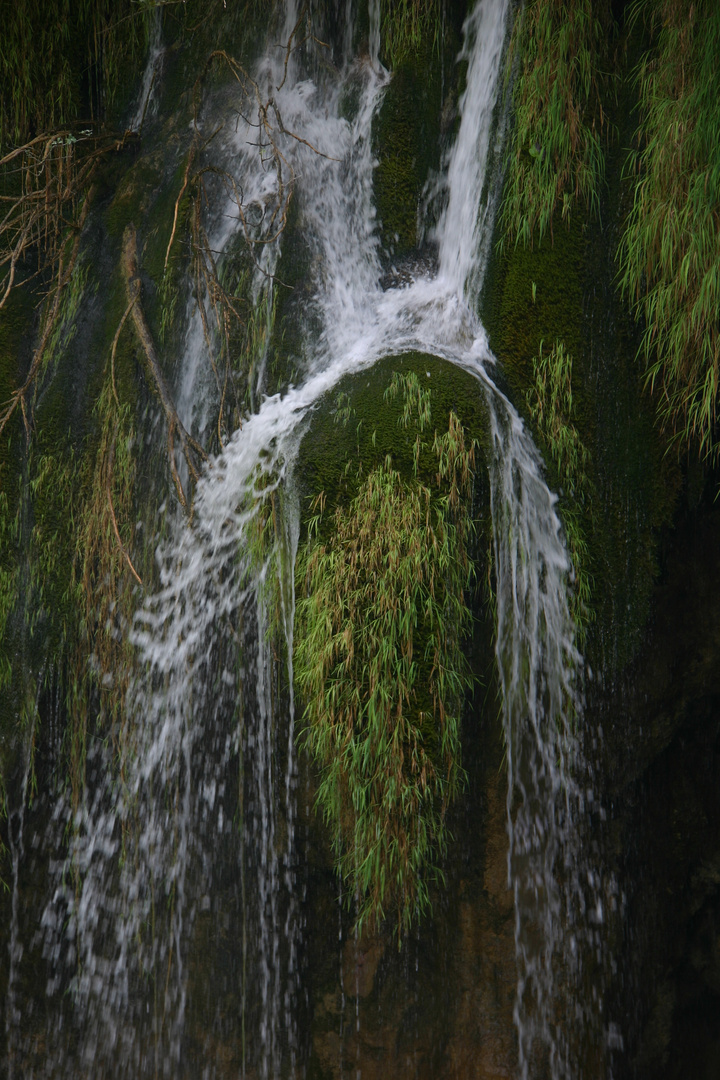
[135,900]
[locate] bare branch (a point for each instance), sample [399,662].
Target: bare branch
[108,488]
[191,449]
[49,321]
[115,343]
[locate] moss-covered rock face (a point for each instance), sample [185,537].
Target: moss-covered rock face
[669,254]
[409,134]
[563,285]
[403,149]
[563,292]
[355,427]
[95,463]
[15,318]
[651,536]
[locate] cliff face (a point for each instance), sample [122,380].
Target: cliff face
[105,437]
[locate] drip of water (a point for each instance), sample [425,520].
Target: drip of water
[147,99]
[143,848]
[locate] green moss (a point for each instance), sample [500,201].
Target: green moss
[135,194]
[17,317]
[146,197]
[537,295]
[398,177]
[564,290]
[294,287]
[552,406]
[55,483]
[407,139]
[355,428]
[9,591]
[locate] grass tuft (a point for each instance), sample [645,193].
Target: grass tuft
[407,26]
[62,61]
[670,250]
[551,406]
[555,153]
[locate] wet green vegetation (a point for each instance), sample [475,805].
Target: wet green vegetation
[669,255]
[565,278]
[412,125]
[563,191]
[409,27]
[552,409]
[555,156]
[565,97]
[63,62]
[354,430]
[396,459]
[79,496]
[380,663]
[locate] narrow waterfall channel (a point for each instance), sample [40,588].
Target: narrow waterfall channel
[205,733]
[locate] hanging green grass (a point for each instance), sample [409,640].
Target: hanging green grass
[670,251]
[63,60]
[555,153]
[381,670]
[553,410]
[406,27]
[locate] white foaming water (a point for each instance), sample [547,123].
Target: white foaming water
[468,220]
[212,603]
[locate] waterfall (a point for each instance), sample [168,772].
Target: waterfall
[207,696]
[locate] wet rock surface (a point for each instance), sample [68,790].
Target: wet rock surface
[441,1007]
[662,767]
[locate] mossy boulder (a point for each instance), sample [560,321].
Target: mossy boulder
[354,427]
[384,587]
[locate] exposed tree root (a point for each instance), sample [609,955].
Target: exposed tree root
[108,486]
[54,176]
[64,273]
